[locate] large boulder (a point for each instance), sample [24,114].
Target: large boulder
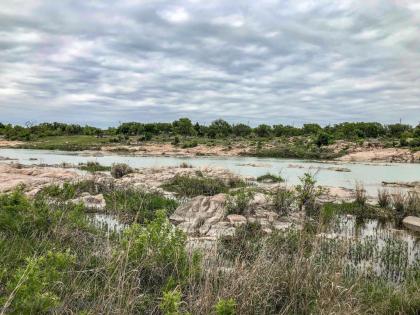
[199,215]
[412,223]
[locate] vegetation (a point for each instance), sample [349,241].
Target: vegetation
[93,167]
[120,170]
[311,141]
[270,178]
[56,260]
[191,186]
[239,201]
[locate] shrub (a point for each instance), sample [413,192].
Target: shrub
[245,244]
[185,165]
[171,302]
[384,198]
[322,139]
[225,307]
[120,170]
[361,196]
[157,252]
[239,202]
[94,167]
[189,186]
[31,289]
[139,204]
[282,200]
[191,144]
[270,178]
[307,191]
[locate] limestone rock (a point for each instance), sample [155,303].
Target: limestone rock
[236,219]
[199,215]
[412,223]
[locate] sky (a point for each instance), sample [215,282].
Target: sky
[290,62]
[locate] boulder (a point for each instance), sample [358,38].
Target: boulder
[236,219]
[412,223]
[200,214]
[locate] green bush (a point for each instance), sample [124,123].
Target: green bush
[138,204]
[238,202]
[283,200]
[190,186]
[171,302]
[94,167]
[270,178]
[32,287]
[307,191]
[225,307]
[120,170]
[157,251]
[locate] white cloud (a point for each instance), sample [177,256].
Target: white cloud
[278,62]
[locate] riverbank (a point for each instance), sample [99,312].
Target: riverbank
[340,151]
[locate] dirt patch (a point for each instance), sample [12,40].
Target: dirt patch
[154,149]
[382,155]
[8,143]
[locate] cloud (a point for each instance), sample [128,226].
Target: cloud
[267,61]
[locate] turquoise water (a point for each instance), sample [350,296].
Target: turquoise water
[370,175]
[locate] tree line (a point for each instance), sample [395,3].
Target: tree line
[217,129]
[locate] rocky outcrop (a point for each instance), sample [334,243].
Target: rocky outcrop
[412,223]
[206,217]
[32,177]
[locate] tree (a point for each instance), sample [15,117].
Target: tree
[219,128]
[263,130]
[241,130]
[322,139]
[184,127]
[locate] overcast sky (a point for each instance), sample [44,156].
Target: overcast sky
[102,62]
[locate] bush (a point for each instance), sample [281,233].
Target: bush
[283,200]
[189,186]
[307,191]
[225,307]
[270,178]
[171,303]
[361,196]
[239,202]
[157,252]
[94,167]
[120,170]
[31,289]
[138,204]
[384,198]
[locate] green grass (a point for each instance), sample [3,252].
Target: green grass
[55,261]
[270,178]
[67,143]
[191,186]
[93,167]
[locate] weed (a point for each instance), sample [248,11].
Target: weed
[283,200]
[270,178]
[120,170]
[238,203]
[188,186]
[94,167]
[384,198]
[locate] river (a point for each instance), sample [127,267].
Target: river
[371,175]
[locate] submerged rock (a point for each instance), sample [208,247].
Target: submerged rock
[412,223]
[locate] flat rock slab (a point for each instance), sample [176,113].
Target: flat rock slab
[412,223]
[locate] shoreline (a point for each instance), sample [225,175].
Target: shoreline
[361,155]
